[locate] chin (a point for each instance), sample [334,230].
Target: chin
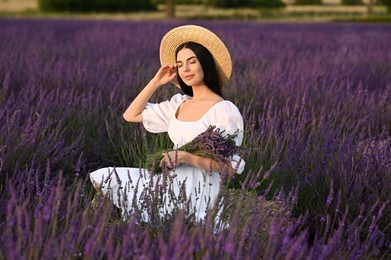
[195,83]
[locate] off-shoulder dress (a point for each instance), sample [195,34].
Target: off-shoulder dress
[200,186]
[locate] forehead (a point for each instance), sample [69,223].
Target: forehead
[184,54]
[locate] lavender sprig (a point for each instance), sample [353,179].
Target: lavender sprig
[212,143]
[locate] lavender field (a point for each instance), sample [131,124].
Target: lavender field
[316,100]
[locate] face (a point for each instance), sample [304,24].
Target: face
[189,68]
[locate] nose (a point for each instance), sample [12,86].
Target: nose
[186,68]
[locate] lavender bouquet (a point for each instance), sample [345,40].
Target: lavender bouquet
[210,144]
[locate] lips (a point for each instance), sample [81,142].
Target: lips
[188,77]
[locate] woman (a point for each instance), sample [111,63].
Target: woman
[197,61]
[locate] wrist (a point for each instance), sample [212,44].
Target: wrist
[153,83]
[184,157]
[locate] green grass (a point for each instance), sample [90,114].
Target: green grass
[371,19]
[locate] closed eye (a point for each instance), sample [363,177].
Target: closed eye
[191,60]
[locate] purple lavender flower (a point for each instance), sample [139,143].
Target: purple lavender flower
[212,143]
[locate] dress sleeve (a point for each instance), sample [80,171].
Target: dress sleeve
[227,117]
[157,116]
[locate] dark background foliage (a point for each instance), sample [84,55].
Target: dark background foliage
[386,3]
[352,2]
[96,5]
[308,2]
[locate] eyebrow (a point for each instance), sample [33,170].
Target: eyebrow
[186,59]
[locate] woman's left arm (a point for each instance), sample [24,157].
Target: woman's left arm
[179,157]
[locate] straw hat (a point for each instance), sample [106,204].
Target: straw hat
[194,33]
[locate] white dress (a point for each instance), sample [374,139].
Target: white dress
[201,186]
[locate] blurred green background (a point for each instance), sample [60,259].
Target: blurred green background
[276,10]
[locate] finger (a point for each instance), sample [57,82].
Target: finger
[169,158]
[162,162]
[169,165]
[164,67]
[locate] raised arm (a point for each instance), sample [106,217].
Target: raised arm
[164,75]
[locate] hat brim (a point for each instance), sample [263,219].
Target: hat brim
[194,33]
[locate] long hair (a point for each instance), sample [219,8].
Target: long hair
[208,65]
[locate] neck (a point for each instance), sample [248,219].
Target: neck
[201,92]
